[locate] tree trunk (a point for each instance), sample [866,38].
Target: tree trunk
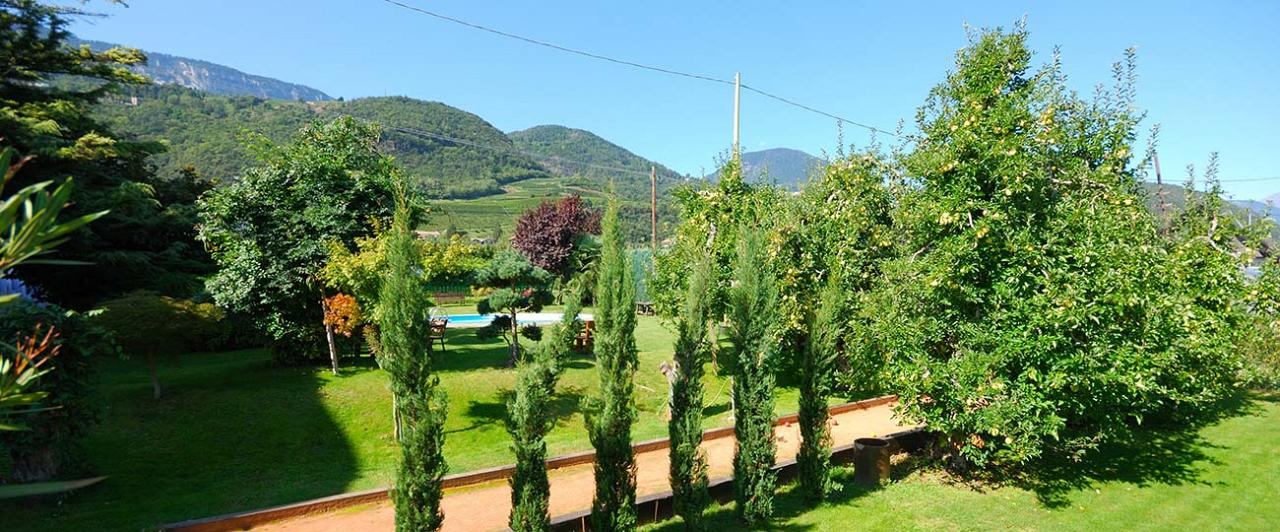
[515,342]
[333,349]
[395,414]
[155,377]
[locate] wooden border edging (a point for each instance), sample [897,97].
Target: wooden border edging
[249,519]
[657,507]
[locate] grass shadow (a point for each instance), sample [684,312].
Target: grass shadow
[564,405]
[1170,454]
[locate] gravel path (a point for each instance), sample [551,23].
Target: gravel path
[486,506]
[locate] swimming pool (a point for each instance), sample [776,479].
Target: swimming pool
[536,318]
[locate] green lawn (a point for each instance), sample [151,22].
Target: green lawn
[1224,477]
[236,433]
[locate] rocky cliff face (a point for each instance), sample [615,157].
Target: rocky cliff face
[216,79]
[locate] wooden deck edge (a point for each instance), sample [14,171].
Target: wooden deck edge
[251,518]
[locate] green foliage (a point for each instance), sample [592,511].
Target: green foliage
[517,286]
[147,240]
[202,130]
[609,418]
[270,232]
[710,219]
[150,325]
[753,318]
[1260,346]
[530,417]
[839,229]
[1031,306]
[692,352]
[50,447]
[406,355]
[817,374]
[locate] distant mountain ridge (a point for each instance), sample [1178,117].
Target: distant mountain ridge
[785,167]
[563,150]
[213,78]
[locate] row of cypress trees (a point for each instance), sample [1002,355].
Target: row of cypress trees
[752,315]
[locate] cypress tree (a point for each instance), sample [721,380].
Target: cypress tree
[609,419]
[752,318]
[688,464]
[816,373]
[406,355]
[529,418]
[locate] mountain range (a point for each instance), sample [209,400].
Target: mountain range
[213,78]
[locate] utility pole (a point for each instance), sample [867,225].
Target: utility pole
[653,205]
[737,99]
[1155,158]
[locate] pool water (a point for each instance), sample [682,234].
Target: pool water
[536,318]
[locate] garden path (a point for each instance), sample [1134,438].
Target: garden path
[486,506]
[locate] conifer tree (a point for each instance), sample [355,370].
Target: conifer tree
[529,418]
[609,420]
[406,355]
[816,374]
[752,316]
[688,465]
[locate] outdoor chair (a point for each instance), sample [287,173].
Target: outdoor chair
[438,326]
[586,337]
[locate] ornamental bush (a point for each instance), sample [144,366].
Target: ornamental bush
[752,306]
[404,351]
[609,418]
[50,448]
[692,352]
[530,417]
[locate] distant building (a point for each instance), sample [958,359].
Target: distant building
[482,241]
[428,235]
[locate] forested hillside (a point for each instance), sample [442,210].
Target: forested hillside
[563,150]
[207,132]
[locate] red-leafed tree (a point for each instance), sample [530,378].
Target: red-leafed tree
[549,234]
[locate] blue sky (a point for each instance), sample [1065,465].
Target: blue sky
[1209,71]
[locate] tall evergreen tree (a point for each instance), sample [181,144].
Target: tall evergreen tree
[406,355]
[47,92]
[688,464]
[816,375]
[752,318]
[530,418]
[609,420]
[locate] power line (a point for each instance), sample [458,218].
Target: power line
[624,62]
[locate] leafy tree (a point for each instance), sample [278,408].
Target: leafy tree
[817,372]
[173,327]
[270,231]
[752,328]
[609,418]
[50,443]
[530,417]
[840,228]
[709,224]
[1030,306]
[549,234]
[688,464]
[405,353]
[147,240]
[518,286]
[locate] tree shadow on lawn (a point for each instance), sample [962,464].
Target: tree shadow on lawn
[788,504]
[1170,454]
[233,432]
[564,405]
